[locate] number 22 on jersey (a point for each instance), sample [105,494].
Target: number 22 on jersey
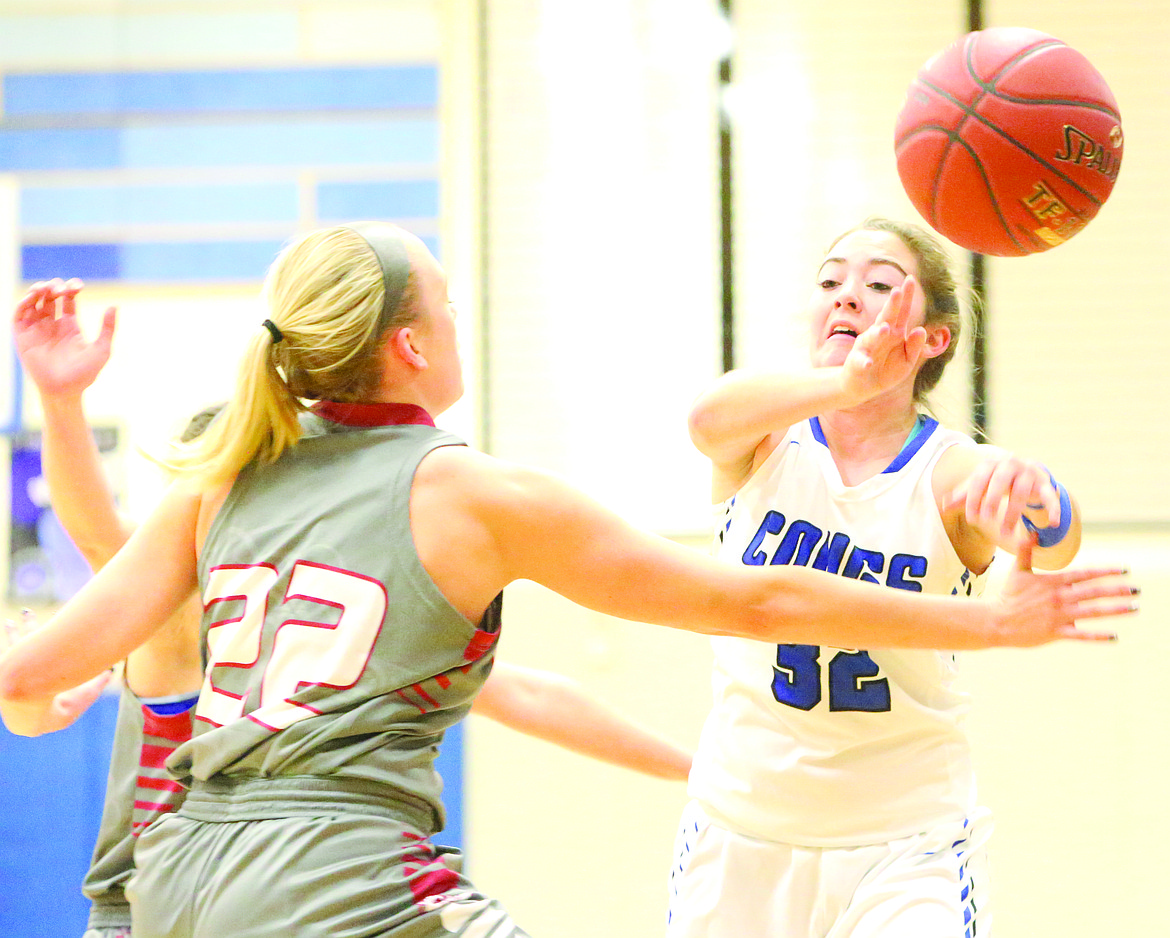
[853,680]
[304,652]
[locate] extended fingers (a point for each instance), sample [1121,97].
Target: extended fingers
[904,305]
[1080,635]
[1089,590]
[1083,574]
[1084,601]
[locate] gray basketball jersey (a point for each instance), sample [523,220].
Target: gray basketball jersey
[331,651]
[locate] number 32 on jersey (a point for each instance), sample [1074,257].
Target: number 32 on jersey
[853,680]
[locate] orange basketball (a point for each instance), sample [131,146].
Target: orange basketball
[1009,141]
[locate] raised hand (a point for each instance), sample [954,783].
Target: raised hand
[1037,608]
[52,349]
[888,351]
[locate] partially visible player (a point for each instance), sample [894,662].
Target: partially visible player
[833,792]
[351,557]
[161,679]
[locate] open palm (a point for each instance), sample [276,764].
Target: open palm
[51,347]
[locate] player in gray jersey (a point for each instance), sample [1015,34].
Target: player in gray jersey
[161,679]
[63,364]
[350,557]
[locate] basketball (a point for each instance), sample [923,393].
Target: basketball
[1009,142]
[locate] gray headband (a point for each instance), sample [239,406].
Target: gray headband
[389,247]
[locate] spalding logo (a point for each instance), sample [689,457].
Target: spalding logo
[1083,150]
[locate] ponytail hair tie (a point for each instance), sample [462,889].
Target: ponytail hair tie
[277,335]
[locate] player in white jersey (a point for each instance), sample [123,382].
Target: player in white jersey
[351,558]
[833,795]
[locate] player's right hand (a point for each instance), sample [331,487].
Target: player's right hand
[888,351]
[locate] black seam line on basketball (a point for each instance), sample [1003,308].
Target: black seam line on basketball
[991,86]
[1003,222]
[1021,55]
[1087,105]
[968,111]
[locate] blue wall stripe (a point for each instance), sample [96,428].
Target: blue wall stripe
[94,148]
[297,89]
[266,143]
[160,262]
[180,262]
[345,201]
[130,205]
[87,261]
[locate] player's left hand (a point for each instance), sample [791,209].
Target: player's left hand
[1001,488]
[51,347]
[66,706]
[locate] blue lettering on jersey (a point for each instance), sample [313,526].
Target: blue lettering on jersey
[903,565]
[831,554]
[801,538]
[797,546]
[854,678]
[861,561]
[773,523]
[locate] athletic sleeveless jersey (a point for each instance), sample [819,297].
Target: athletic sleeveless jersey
[334,661]
[137,792]
[829,747]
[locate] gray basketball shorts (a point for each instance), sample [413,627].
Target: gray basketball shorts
[346,873]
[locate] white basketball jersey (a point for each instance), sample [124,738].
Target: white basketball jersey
[826,746]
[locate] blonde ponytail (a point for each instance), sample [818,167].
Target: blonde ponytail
[325,299]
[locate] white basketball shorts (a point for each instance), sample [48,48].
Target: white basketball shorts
[931,885]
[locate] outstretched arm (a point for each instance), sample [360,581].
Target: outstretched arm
[738,420]
[516,523]
[557,709]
